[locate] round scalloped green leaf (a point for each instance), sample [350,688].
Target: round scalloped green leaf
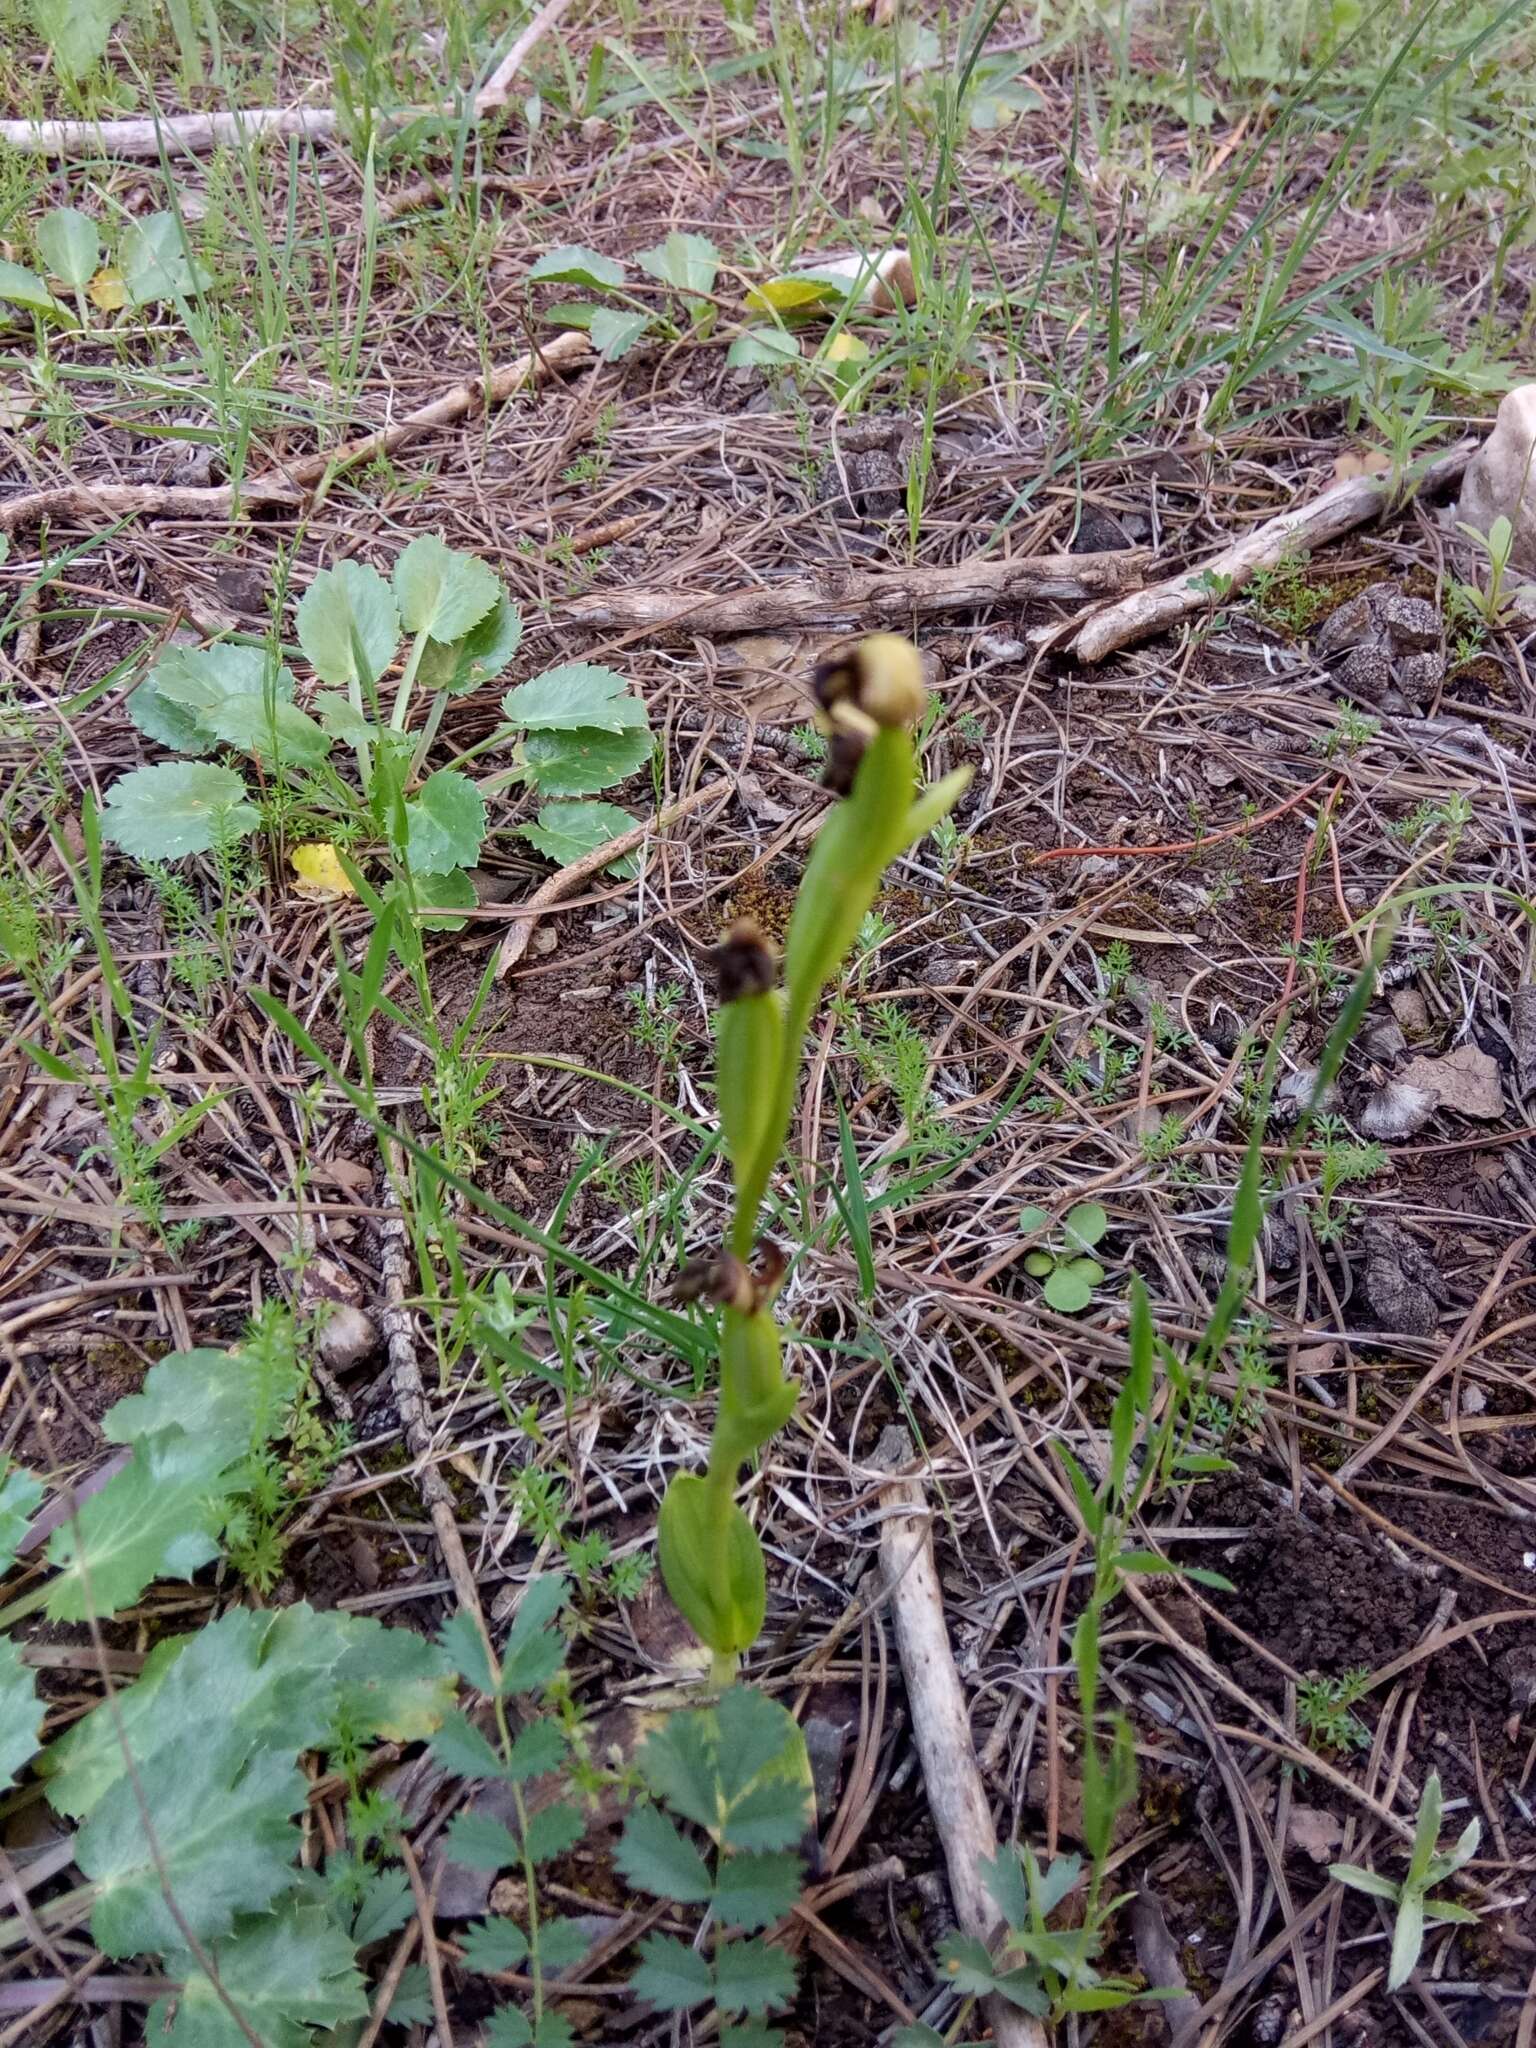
[273,732]
[578,693]
[445,824]
[153,261]
[441,592]
[1040,1262]
[565,832]
[1068,1290]
[24,288]
[1086,1224]
[1032,1219]
[583,762]
[762,348]
[348,625]
[177,808]
[572,264]
[21,1712]
[479,657]
[69,243]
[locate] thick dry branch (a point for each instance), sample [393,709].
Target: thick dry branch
[287,486]
[1342,507]
[877,597]
[200,133]
[941,1730]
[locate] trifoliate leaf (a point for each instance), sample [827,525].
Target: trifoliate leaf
[70,245]
[509,2027]
[582,762]
[348,625]
[754,1891]
[657,1859]
[565,832]
[285,1972]
[563,1943]
[223,1829]
[24,288]
[571,264]
[154,262]
[691,262]
[494,1945]
[480,1842]
[671,1976]
[479,657]
[442,593]
[762,348]
[177,808]
[20,1494]
[224,1400]
[753,1977]
[21,1712]
[272,732]
[614,333]
[575,695]
[552,1831]
[446,823]
[319,872]
[459,1747]
[342,719]
[535,1648]
[106,290]
[159,1518]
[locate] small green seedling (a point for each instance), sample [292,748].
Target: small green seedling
[1069,1271]
[1323,1709]
[1487,602]
[1427,1867]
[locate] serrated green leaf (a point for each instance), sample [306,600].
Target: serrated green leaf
[753,1977]
[481,1842]
[573,264]
[285,1972]
[187,682]
[655,1858]
[69,243]
[554,2030]
[583,762]
[271,732]
[76,31]
[348,625]
[567,832]
[464,1646]
[20,1496]
[671,1976]
[343,721]
[176,808]
[755,1890]
[387,1903]
[227,1399]
[24,288]
[553,1831]
[445,824]
[153,262]
[479,657]
[21,1712]
[563,1944]
[762,348]
[392,1685]
[691,262]
[440,592]
[508,2028]
[577,694]
[539,1748]
[158,1518]
[460,1748]
[412,2004]
[615,333]
[223,1829]
[535,1649]
[492,1945]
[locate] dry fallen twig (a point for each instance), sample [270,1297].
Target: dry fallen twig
[1340,508]
[287,486]
[867,597]
[941,1730]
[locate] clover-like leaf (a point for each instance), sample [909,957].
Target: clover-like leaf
[578,694]
[572,264]
[1085,1225]
[158,1518]
[285,1973]
[691,262]
[348,625]
[70,244]
[153,261]
[614,333]
[1067,1290]
[25,288]
[480,657]
[440,592]
[445,824]
[177,808]
[21,1712]
[582,762]
[566,832]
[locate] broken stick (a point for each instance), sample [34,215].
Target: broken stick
[1342,507]
[941,1730]
[867,598]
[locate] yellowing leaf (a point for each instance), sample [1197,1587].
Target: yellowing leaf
[107,292]
[793,294]
[320,872]
[846,348]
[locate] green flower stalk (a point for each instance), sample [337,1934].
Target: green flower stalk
[871,699]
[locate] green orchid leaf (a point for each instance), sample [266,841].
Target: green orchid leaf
[440,592]
[578,694]
[177,808]
[584,761]
[572,264]
[445,824]
[568,832]
[715,1575]
[348,625]
[70,244]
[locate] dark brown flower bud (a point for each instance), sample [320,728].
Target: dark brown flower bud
[719,1277]
[843,758]
[882,675]
[768,1273]
[744,962]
